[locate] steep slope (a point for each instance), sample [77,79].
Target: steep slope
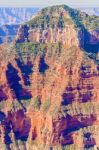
[49,83]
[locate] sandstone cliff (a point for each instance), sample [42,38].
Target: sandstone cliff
[49,83]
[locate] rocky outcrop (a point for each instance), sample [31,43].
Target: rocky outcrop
[49,86]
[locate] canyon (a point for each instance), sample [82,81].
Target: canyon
[49,83]
[12,16]
[10,20]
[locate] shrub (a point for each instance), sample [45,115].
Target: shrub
[54,111]
[45,105]
[44,130]
[36,103]
[15,105]
[30,48]
[26,103]
[2,105]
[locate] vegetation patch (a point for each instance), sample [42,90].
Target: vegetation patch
[30,48]
[36,103]
[45,105]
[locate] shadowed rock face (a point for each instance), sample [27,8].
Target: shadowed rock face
[26,70]
[13,82]
[21,130]
[89,141]
[50,84]
[3,95]
[42,65]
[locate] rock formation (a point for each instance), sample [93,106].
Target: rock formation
[49,83]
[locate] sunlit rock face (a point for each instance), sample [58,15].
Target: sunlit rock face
[49,83]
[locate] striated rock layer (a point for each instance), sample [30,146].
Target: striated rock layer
[49,83]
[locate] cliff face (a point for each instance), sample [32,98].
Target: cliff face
[49,84]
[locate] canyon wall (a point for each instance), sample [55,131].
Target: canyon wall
[49,86]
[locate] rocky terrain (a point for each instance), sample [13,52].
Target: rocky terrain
[49,83]
[11,18]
